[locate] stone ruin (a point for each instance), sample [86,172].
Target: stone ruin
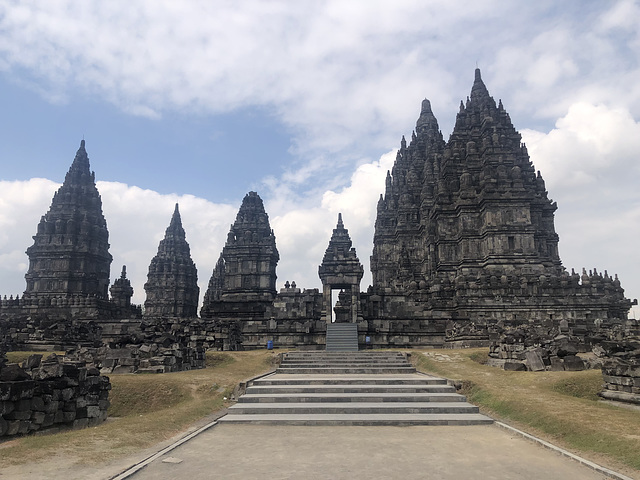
[464,241]
[174,345]
[465,235]
[49,394]
[620,354]
[172,285]
[536,348]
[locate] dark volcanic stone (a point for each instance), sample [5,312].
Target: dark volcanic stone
[172,283]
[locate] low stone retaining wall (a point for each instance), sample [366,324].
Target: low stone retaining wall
[164,345]
[621,363]
[536,349]
[50,393]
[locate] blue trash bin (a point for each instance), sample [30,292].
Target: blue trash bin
[269,344]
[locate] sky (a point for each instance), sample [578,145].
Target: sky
[200,102]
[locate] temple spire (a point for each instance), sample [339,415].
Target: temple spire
[172,282]
[70,254]
[175,226]
[479,90]
[80,167]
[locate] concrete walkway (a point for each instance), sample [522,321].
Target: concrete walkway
[484,452]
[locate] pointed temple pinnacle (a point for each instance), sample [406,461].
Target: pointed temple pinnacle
[479,90]
[340,224]
[176,221]
[426,106]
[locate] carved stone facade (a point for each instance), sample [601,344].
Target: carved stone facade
[243,283]
[241,299]
[121,290]
[465,232]
[341,269]
[464,241]
[70,254]
[172,283]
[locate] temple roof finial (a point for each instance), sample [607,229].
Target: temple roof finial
[479,90]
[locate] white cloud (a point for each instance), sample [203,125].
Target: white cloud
[347,80]
[21,206]
[137,220]
[590,163]
[303,234]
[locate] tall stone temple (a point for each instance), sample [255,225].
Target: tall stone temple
[464,243]
[172,283]
[465,237]
[70,254]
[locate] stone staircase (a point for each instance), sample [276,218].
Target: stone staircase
[342,337]
[364,388]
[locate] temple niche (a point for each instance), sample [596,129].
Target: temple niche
[172,283]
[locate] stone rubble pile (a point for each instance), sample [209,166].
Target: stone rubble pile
[536,348]
[164,346]
[31,332]
[621,363]
[50,393]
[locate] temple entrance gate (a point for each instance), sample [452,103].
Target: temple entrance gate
[341,269]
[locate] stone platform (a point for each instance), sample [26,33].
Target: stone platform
[351,389]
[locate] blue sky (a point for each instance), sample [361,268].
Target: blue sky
[305,102]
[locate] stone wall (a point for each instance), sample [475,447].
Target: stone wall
[41,332]
[536,348]
[621,363]
[50,393]
[160,345]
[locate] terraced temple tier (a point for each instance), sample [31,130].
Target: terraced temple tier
[365,388]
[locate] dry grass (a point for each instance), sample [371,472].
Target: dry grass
[561,407]
[145,410]
[19,357]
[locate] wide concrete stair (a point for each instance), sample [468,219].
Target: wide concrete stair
[342,337]
[364,388]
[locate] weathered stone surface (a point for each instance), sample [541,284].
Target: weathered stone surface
[514,366]
[465,230]
[68,273]
[121,293]
[41,399]
[341,269]
[243,282]
[70,255]
[534,360]
[172,283]
[620,353]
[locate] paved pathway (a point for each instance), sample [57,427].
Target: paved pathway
[295,452]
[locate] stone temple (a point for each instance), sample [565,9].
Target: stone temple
[70,254]
[465,235]
[172,283]
[464,243]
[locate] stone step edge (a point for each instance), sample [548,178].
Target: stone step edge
[362,419]
[351,397]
